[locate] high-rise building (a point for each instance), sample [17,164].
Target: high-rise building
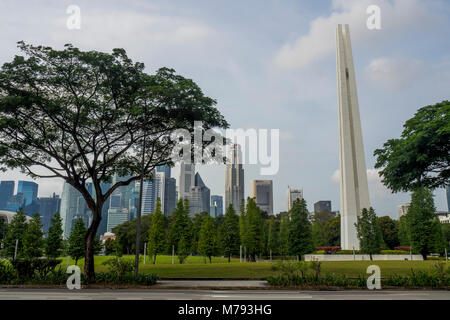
[187,179]
[6,192]
[292,195]
[74,207]
[234,179]
[15,202]
[216,206]
[48,206]
[123,203]
[199,197]
[162,186]
[323,205]
[353,174]
[403,209]
[29,189]
[448,198]
[262,192]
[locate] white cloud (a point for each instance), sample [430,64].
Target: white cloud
[394,73]
[139,32]
[319,42]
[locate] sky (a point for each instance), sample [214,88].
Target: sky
[270,65]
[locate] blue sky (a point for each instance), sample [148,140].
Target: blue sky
[270,64]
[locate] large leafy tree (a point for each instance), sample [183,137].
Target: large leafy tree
[84,116]
[369,233]
[180,228]
[16,232]
[284,235]
[33,240]
[300,231]
[273,235]
[207,244]
[157,234]
[75,243]
[197,222]
[420,158]
[421,218]
[254,229]
[229,233]
[389,231]
[333,232]
[404,234]
[54,241]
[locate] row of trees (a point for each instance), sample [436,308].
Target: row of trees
[252,231]
[25,240]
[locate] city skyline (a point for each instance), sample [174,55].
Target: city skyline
[279,80]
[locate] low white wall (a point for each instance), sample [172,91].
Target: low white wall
[361,257]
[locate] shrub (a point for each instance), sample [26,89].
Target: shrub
[347,252]
[7,272]
[329,249]
[30,268]
[394,252]
[403,248]
[120,266]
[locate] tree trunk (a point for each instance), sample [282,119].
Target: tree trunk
[154,258]
[89,270]
[370,257]
[229,257]
[209,259]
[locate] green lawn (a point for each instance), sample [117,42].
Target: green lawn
[195,267]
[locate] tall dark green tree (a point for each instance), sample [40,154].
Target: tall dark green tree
[33,240]
[420,157]
[197,222]
[16,231]
[207,244]
[369,233]
[180,227]
[3,228]
[421,214]
[333,232]
[284,236]
[229,233]
[404,234]
[54,241]
[437,240]
[273,236]
[300,231]
[254,230]
[242,225]
[80,116]
[75,243]
[389,231]
[157,235]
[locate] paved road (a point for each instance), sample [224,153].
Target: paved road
[166,294]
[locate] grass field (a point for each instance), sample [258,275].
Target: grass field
[195,267]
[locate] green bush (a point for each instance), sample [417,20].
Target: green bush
[120,266]
[319,252]
[28,269]
[7,272]
[394,252]
[347,252]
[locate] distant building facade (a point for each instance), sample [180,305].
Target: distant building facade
[29,189]
[216,206]
[198,197]
[234,179]
[262,192]
[323,205]
[403,209]
[292,195]
[6,192]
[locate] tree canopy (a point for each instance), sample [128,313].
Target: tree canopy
[83,116]
[420,158]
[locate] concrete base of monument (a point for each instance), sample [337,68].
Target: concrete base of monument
[362,257]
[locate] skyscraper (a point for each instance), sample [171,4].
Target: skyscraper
[199,197]
[448,198]
[353,182]
[262,192]
[323,205]
[162,186]
[292,195]
[216,206]
[187,179]
[6,192]
[234,179]
[48,206]
[123,203]
[74,207]
[29,189]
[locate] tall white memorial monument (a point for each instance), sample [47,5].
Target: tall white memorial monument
[354,187]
